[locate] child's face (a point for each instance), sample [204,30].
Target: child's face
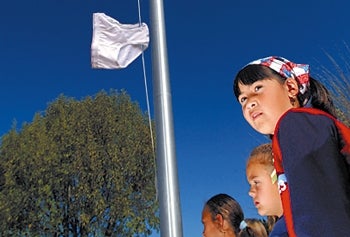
[210,227]
[264,193]
[263,103]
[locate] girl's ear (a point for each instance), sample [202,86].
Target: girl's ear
[222,224]
[219,219]
[292,87]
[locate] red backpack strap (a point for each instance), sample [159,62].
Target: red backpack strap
[344,132]
[285,195]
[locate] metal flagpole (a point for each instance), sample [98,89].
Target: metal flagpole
[168,191]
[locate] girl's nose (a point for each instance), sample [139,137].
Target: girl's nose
[251,104]
[251,193]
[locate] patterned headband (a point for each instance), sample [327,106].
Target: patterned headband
[288,69]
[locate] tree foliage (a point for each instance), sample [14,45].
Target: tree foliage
[82,168]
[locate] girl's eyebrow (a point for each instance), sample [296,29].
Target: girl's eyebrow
[252,177]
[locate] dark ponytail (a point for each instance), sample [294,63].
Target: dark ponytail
[321,98]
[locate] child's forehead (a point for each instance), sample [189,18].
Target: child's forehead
[206,215]
[257,169]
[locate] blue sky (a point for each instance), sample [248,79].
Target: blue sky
[45,52]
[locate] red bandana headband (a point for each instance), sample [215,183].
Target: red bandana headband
[288,69]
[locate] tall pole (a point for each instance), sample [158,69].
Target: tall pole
[168,190]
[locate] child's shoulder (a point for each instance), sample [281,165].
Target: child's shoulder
[300,117]
[309,110]
[314,114]
[311,120]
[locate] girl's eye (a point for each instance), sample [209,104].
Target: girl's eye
[257,88]
[254,183]
[242,99]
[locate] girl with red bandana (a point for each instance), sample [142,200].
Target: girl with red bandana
[311,147]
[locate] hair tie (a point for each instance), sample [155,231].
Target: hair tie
[287,69]
[243,225]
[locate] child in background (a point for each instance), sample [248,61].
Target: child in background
[223,216]
[311,147]
[262,178]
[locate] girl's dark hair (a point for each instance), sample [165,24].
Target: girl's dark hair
[228,207]
[231,211]
[252,73]
[320,97]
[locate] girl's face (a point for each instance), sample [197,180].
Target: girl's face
[264,193]
[263,103]
[210,226]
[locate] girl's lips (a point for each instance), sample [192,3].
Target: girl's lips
[255,115]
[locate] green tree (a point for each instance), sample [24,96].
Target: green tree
[81,168]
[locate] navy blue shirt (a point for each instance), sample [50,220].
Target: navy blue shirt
[279,229]
[308,144]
